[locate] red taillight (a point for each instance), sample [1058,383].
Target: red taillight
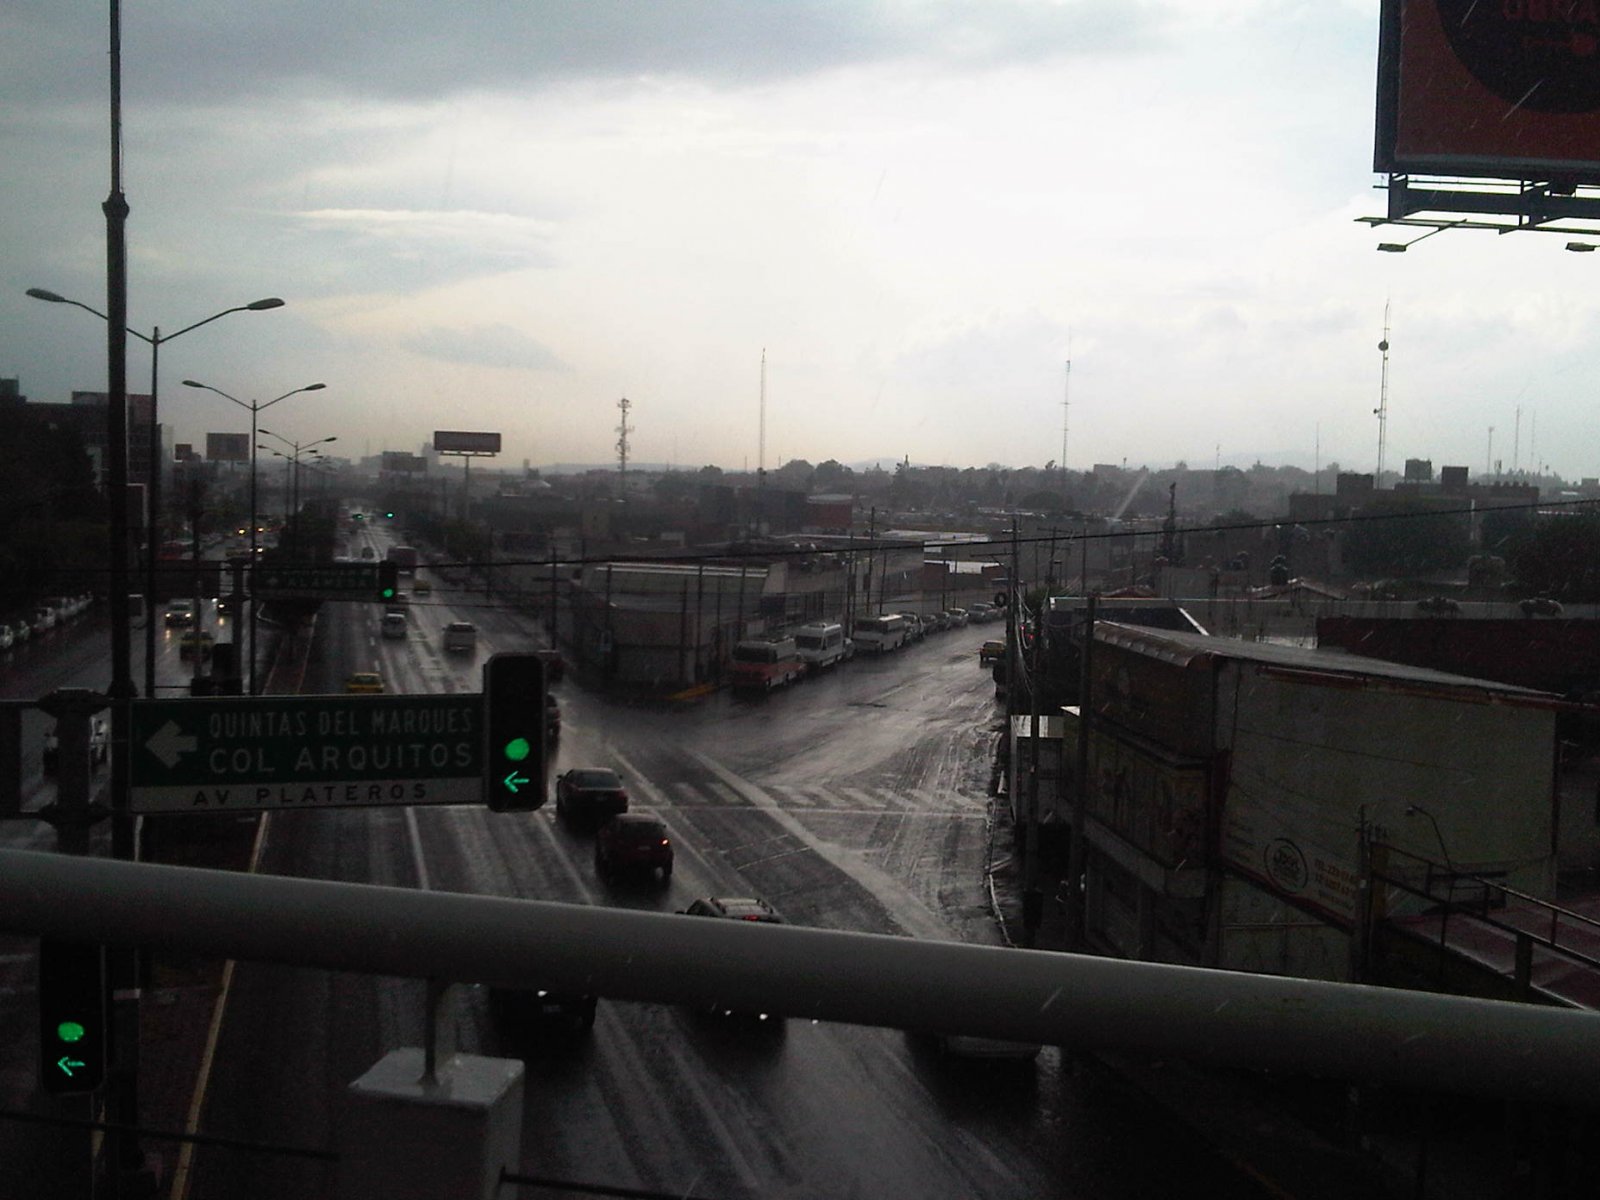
[750,917]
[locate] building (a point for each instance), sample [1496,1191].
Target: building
[1236,792]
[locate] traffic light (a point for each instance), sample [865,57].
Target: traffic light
[358,516]
[72,1016]
[514,689]
[390,515]
[388,579]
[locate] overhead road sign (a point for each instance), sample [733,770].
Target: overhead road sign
[287,752]
[320,581]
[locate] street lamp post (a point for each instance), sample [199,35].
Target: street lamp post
[292,498]
[153,493]
[255,409]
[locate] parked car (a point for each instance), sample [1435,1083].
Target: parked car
[180,614]
[938,622]
[1540,606]
[421,587]
[363,683]
[915,629]
[633,841]
[958,617]
[7,638]
[980,612]
[990,652]
[590,793]
[1438,605]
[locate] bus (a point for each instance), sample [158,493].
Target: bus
[759,665]
[880,633]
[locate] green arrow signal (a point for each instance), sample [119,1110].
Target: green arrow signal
[513,780]
[68,1064]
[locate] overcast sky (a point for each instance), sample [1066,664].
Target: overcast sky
[504,216]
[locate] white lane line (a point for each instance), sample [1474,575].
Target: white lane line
[415,834]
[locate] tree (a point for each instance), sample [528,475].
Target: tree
[1561,558]
[1396,541]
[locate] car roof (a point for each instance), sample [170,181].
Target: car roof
[595,776]
[748,908]
[637,820]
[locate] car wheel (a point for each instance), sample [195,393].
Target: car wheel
[666,872]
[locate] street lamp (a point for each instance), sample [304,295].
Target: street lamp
[298,449]
[153,496]
[255,408]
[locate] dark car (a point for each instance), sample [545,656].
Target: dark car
[991,651]
[1540,606]
[633,841]
[542,1006]
[739,908]
[1438,605]
[590,793]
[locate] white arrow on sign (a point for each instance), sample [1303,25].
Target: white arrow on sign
[169,744]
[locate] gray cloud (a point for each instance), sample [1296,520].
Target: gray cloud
[487,346]
[229,52]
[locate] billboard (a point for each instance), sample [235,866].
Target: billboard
[1505,90]
[448,441]
[228,447]
[399,460]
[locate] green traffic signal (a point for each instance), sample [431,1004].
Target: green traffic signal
[72,1016]
[518,749]
[70,1031]
[514,690]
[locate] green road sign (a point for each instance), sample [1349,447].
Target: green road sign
[316,581]
[285,752]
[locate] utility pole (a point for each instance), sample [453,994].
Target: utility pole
[1066,410]
[1382,410]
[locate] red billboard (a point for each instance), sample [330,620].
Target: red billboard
[1504,90]
[450,441]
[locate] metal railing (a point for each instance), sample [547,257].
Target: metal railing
[1349,1031]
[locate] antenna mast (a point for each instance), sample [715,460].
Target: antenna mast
[623,430]
[1383,396]
[1066,412]
[761,437]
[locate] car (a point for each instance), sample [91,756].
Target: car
[1438,605]
[980,612]
[363,683]
[368,552]
[590,793]
[915,629]
[938,622]
[633,841]
[1540,606]
[738,908]
[196,643]
[991,651]
[394,624]
[958,617]
[180,614]
[421,587]
[543,1006]
[461,635]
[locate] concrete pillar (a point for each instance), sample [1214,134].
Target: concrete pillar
[403,1138]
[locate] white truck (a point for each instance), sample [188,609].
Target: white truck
[461,635]
[820,644]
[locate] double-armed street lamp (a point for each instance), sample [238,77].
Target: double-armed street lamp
[154,340]
[255,408]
